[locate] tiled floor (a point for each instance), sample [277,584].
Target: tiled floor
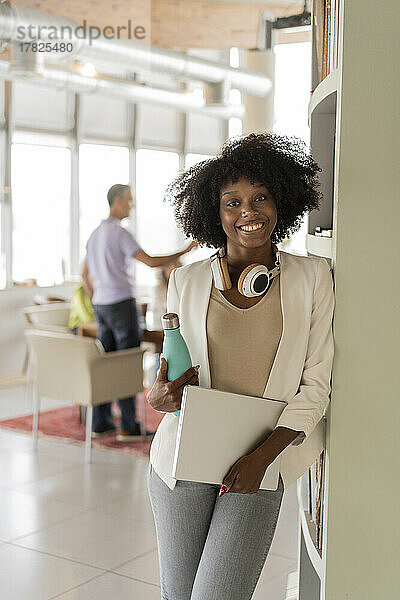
[85,532]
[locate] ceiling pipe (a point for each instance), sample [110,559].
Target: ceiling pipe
[130,54]
[128,91]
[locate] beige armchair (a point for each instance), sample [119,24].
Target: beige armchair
[50,317]
[55,317]
[76,369]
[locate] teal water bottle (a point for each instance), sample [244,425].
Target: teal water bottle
[175,350]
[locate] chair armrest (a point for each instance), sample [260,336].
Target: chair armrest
[114,355]
[116,375]
[52,328]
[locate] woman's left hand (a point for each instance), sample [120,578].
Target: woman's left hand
[246,475]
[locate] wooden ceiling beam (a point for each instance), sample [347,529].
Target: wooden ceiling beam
[177,24]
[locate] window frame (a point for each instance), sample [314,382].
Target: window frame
[10,133]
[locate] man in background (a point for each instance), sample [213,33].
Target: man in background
[108,284]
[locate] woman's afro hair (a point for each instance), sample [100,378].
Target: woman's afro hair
[281,163]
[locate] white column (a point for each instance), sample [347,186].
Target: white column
[6,199]
[74,262]
[259,112]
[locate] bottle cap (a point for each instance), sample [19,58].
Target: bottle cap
[170,321]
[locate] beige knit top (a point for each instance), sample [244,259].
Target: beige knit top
[242,342]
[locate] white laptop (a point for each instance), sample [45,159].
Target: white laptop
[216,428]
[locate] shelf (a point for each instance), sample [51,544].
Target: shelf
[307,527]
[323,99]
[319,246]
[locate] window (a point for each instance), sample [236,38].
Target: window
[40,178]
[235,127]
[157,232]
[292,89]
[115,126]
[100,167]
[292,94]
[3,276]
[192,159]
[39,107]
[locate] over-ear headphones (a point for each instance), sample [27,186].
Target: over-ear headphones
[254,280]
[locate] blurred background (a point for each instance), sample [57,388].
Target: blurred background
[66,140]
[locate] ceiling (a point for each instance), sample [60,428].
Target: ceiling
[274,3]
[178,24]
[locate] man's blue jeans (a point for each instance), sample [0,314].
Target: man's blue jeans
[118,330]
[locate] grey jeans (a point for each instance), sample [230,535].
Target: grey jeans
[211,548]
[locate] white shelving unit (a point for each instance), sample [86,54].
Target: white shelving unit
[353,121]
[323,98]
[324,135]
[307,528]
[319,246]
[322,121]
[312,563]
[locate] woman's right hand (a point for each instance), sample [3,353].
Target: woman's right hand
[166,396]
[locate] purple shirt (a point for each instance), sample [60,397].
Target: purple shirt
[110,249]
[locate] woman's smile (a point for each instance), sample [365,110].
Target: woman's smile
[251,227]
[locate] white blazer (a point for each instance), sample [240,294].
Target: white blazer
[300,374]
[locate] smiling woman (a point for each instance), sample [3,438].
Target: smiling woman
[258,322]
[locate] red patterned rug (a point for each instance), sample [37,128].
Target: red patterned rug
[64,423]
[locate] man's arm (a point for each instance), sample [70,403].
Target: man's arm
[86,283]
[159,261]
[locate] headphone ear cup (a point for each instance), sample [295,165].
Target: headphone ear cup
[254,280]
[223,268]
[242,277]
